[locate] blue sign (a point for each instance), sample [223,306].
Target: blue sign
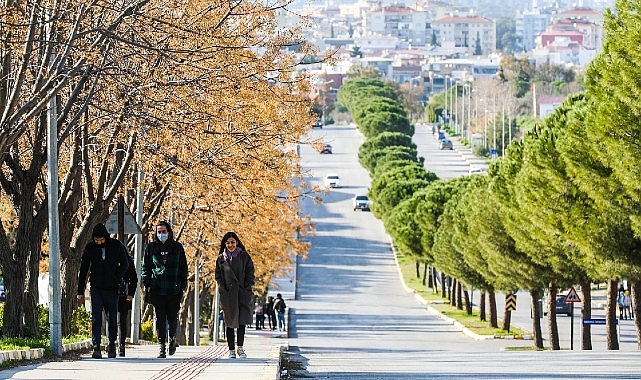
[596,321]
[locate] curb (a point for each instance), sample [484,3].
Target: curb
[271,371]
[38,353]
[32,353]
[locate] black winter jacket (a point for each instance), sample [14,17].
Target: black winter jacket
[105,273]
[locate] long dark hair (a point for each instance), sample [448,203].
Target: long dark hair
[170,231]
[227,236]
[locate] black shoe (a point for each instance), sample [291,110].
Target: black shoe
[111,350]
[172,346]
[162,353]
[96,353]
[121,350]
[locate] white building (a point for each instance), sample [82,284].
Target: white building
[466,32]
[404,23]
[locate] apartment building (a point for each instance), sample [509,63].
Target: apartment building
[466,32]
[407,24]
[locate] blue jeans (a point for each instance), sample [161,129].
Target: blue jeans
[281,321]
[106,300]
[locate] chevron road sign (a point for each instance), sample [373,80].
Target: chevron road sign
[510,302]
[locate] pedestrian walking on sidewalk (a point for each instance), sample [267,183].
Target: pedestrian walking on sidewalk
[620,304]
[627,305]
[271,314]
[260,316]
[164,274]
[235,278]
[106,259]
[129,283]
[279,307]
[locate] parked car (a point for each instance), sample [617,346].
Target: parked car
[562,307]
[3,297]
[361,202]
[476,171]
[332,180]
[446,144]
[327,149]
[318,123]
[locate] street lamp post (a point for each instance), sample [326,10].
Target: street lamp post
[456,125]
[447,78]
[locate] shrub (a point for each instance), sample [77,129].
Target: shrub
[81,322]
[147,328]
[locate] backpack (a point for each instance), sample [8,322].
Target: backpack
[279,306]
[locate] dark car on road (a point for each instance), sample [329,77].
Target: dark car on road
[327,149]
[562,307]
[318,123]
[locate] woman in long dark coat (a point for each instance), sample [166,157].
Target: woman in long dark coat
[235,279]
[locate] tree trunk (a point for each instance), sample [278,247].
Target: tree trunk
[13,286]
[507,319]
[586,313]
[186,310]
[30,303]
[425,273]
[482,315]
[459,295]
[553,331]
[636,309]
[536,320]
[468,303]
[418,269]
[21,253]
[494,320]
[612,340]
[430,277]
[443,286]
[451,290]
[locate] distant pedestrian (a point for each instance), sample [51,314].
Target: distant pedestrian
[627,305]
[279,308]
[260,316]
[164,274]
[130,282]
[235,278]
[271,314]
[620,304]
[106,259]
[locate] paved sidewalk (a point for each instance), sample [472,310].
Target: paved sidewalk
[202,362]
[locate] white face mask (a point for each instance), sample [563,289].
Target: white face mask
[163,237]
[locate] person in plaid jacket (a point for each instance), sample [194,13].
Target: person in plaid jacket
[164,274]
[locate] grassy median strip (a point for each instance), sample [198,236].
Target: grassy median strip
[442,305]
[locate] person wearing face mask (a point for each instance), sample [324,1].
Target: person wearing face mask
[164,274]
[106,258]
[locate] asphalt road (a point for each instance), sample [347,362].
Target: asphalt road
[352,319]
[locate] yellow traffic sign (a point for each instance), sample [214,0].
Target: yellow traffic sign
[510,302]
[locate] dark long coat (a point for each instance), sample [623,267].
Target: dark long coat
[235,281]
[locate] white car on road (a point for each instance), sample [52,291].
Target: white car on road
[332,180]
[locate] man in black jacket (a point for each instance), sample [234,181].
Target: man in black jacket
[107,260]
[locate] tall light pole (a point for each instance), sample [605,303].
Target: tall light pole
[456,107]
[494,123]
[447,77]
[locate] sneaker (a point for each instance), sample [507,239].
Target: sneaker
[232,354]
[241,353]
[96,354]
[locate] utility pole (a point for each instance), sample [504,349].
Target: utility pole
[135,311]
[55,297]
[197,303]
